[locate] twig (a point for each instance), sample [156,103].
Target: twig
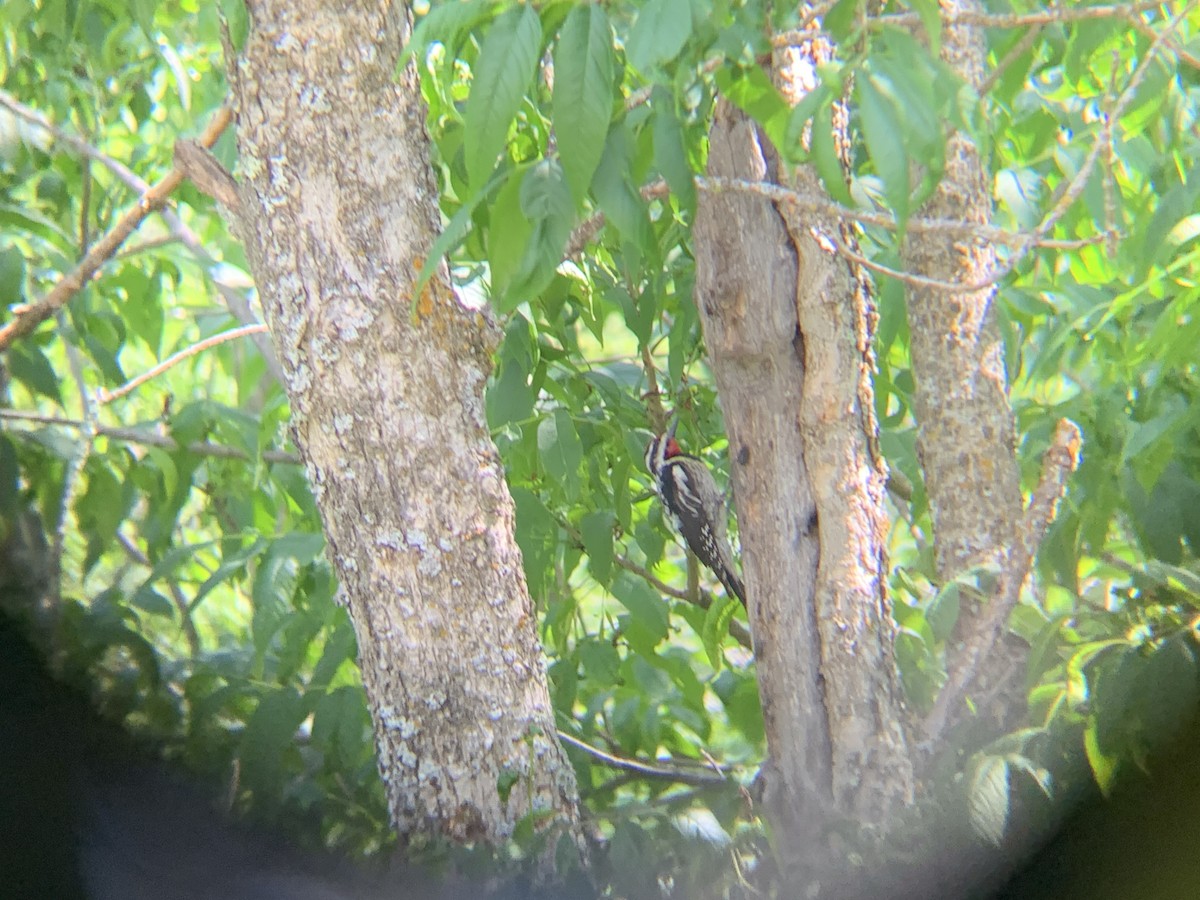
[1014,53]
[150,439]
[104,397]
[671,773]
[205,171]
[1021,20]
[34,314]
[921,281]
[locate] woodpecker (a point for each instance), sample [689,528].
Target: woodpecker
[695,506]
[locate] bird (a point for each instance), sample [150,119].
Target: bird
[695,506]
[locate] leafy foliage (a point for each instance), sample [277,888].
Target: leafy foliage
[566,138]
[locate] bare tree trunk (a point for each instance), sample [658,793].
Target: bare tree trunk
[746,284]
[787,331]
[338,212]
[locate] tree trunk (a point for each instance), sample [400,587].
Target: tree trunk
[338,212]
[967,436]
[786,329]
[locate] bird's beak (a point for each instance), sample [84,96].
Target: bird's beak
[674,424]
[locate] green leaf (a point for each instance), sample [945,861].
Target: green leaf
[597,532]
[660,32]
[509,233]
[670,156]
[12,276]
[269,734]
[825,157]
[931,21]
[230,564]
[444,23]
[304,547]
[644,604]
[716,626]
[338,725]
[614,189]
[943,610]
[883,132]
[600,660]
[454,234]
[237,21]
[503,74]
[546,204]
[840,17]
[29,365]
[740,697]
[751,91]
[989,799]
[151,601]
[142,308]
[1104,768]
[583,93]
[340,646]
[536,531]
[560,449]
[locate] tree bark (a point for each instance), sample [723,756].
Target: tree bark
[338,212]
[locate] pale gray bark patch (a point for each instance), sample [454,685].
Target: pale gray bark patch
[339,209]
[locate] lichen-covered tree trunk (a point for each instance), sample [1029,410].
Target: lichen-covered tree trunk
[967,436]
[338,212]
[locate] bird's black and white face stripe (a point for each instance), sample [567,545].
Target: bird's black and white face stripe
[661,448]
[656,455]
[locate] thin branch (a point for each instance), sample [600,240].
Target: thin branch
[234,301]
[737,630]
[1059,16]
[811,203]
[921,281]
[150,439]
[1014,53]
[1145,28]
[1075,187]
[1060,460]
[585,232]
[149,245]
[177,596]
[688,775]
[105,396]
[73,470]
[34,314]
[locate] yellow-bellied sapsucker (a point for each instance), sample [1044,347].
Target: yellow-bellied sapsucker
[695,506]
